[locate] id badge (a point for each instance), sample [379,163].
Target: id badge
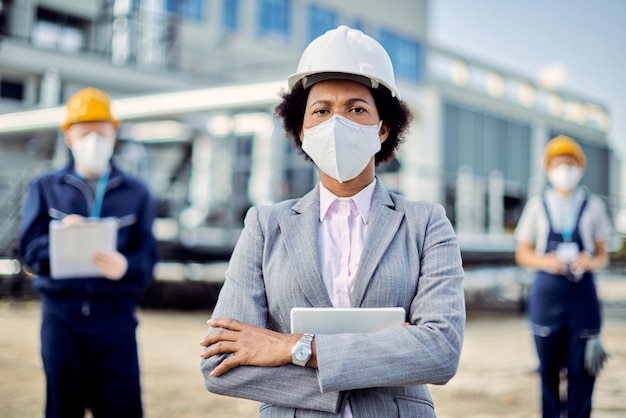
[567,251]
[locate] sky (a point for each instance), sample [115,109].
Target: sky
[581,44]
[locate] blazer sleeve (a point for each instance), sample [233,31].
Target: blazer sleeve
[243,297]
[427,351]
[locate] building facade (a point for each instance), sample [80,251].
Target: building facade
[195,82]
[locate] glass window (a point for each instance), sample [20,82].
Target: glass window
[502,133]
[5,13]
[451,137]
[479,163]
[491,150]
[11,90]
[59,31]
[596,176]
[518,152]
[230,14]
[406,55]
[274,17]
[187,9]
[485,143]
[320,21]
[299,181]
[467,144]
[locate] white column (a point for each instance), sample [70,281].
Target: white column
[50,88]
[267,162]
[537,177]
[479,204]
[496,203]
[463,200]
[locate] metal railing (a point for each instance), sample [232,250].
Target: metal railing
[13,186]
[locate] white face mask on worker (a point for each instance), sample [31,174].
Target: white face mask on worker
[565,177]
[340,147]
[92,153]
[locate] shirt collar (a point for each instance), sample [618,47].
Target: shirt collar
[362,200]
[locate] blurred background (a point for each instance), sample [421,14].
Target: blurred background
[195,82]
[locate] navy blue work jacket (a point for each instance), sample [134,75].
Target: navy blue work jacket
[60,193]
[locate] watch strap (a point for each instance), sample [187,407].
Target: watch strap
[305,341]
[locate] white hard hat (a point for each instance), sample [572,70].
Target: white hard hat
[345,53]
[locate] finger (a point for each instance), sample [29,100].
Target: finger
[229,363]
[227,323]
[220,347]
[73,219]
[109,257]
[204,342]
[210,339]
[104,265]
[104,260]
[101,261]
[219,336]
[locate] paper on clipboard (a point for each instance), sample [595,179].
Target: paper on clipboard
[72,247]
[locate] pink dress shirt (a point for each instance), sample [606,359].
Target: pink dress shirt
[343,225]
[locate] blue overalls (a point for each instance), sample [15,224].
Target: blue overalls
[564,313]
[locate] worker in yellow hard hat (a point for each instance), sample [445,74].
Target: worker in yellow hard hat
[89,105]
[88,342]
[349,243]
[563,233]
[90,130]
[563,145]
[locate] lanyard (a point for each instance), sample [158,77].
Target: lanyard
[568,217]
[99,194]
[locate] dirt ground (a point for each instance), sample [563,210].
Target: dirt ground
[495,377]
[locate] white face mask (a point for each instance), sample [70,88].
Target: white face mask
[565,177]
[92,153]
[340,147]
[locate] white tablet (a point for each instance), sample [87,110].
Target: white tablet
[342,320]
[73,246]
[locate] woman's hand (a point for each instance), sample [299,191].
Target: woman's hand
[250,345]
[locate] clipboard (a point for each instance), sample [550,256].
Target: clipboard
[344,320]
[72,247]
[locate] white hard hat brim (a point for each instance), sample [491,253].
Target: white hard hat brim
[309,78]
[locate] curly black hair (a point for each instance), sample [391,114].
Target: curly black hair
[390,109]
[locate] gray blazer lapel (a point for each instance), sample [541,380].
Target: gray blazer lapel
[300,231]
[383,225]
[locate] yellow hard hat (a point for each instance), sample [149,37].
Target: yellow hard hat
[563,145]
[89,105]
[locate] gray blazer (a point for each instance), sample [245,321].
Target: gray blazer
[411,258]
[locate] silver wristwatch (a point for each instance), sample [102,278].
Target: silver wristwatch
[301,352]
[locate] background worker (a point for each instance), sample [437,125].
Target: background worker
[563,233]
[88,342]
[347,243]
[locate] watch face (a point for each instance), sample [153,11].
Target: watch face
[302,353]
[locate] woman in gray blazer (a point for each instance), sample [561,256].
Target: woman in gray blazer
[347,243]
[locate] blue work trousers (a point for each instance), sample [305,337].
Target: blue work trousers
[564,350]
[564,314]
[89,353]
